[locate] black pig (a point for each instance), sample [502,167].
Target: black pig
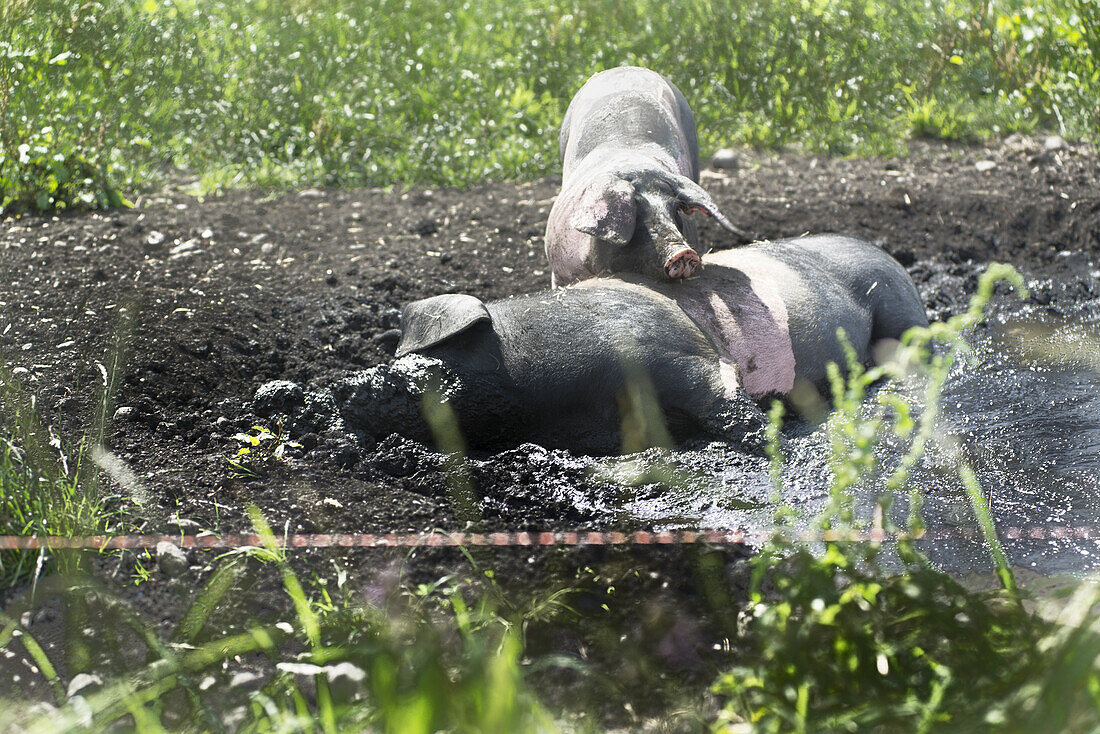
[560,367]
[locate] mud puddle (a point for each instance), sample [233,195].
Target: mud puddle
[1023,409]
[305,286]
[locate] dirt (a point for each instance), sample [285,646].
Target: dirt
[214,298]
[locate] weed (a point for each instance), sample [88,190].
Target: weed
[869,636]
[46,486]
[41,490]
[321,662]
[261,446]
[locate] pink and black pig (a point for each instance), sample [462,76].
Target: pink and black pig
[553,367]
[630,177]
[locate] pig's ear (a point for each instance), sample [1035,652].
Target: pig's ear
[606,210]
[434,320]
[693,198]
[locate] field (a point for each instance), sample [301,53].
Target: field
[202,197]
[103,100]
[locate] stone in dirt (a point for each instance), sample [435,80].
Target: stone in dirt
[171,559]
[81,682]
[1053,142]
[725,160]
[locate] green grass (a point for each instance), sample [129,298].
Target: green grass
[101,100]
[860,636]
[863,636]
[48,484]
[42,490]
[414,661]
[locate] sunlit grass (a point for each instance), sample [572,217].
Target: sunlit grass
[103,100]
[50,483]
[44,487]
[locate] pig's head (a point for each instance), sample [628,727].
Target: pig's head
[389,398]
[447,353]
[635,220]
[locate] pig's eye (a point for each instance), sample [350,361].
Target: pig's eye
[664,188]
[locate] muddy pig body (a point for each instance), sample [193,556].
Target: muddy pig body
[560,367]
[630,176]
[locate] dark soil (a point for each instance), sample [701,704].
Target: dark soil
[214,298]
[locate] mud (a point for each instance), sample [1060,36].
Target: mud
[213,299]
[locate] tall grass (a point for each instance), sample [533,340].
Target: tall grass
[406,661]
[99,100]
[49,485]
[42,490]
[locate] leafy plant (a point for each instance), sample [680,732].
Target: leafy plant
[323,661]
[47,487]
[871,636]
[261,446]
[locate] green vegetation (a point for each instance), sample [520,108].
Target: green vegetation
[40,490]
[861,636]
[417,661]
[103,99]
[260,447]
[46,486]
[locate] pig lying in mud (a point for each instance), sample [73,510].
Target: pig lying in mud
[558,367]
[630,175]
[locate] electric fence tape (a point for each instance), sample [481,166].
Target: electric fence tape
[517,539]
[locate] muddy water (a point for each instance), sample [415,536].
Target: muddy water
[1023,410]
[1028,414]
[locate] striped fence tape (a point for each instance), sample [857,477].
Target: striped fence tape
[513,539]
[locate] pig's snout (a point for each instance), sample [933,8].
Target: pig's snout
[682,264]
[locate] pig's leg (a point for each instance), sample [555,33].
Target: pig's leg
[715,401]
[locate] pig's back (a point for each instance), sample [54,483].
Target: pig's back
[739,304]
[812,286]
[586,332]
[628,105]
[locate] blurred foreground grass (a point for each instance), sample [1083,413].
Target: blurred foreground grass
[103,98]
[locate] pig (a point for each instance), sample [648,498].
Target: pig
[630,175]
[558,367]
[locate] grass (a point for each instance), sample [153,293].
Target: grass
[100,101]
[414,661]
[42,491]
[48,486]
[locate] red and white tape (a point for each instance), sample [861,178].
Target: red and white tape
[571,538]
